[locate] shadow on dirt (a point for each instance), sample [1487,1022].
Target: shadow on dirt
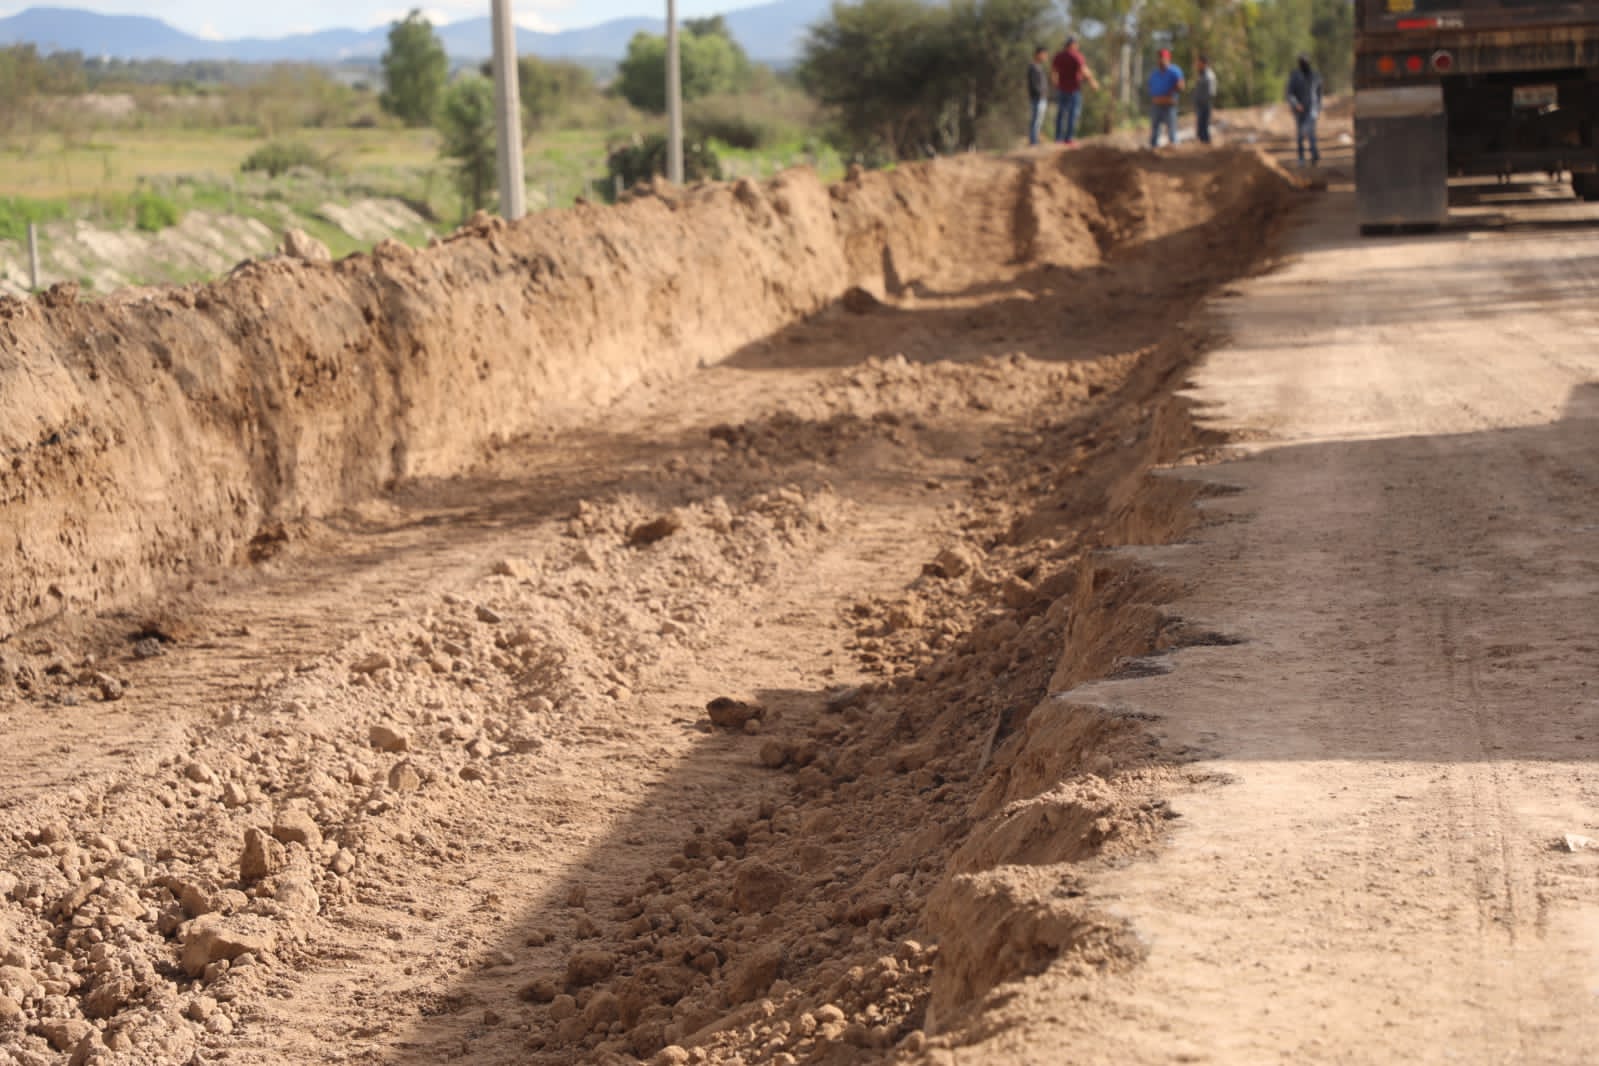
[764,877]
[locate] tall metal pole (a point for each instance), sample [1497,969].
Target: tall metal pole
[674,99]
[508,114]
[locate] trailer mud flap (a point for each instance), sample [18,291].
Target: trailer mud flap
[1401,157]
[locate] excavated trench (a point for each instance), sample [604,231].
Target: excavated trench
[415,659]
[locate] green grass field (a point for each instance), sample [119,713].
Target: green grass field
[113,162]
[54,176]
[109,166]
[149,179]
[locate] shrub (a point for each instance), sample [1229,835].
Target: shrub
[731,126]
[153,213]
[751,120]
[645,158]
[903,78]
[16,213]
[277,158]
[710,62]
[466,126]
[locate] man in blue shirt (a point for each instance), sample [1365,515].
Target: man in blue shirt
[1164,84]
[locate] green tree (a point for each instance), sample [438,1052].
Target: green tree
[715,26]
[711,63]
[25,75]
[415,70]
[466,128]
[903,78]
[550,86]
[711,26]
[1276,32]
[878,67]
[1332,27]
[988,43]
[547,87]
[1114,30]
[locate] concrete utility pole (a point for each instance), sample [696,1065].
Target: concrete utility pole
[508,113]
[674,99]
[33,255]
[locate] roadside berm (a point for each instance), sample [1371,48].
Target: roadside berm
[636,633]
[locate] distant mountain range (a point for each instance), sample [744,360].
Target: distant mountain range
[771,32]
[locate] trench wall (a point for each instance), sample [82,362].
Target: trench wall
[155,432]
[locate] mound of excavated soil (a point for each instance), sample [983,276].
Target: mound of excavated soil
[717,726]
[147,434]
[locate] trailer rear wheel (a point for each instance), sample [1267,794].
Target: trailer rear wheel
[1586,186]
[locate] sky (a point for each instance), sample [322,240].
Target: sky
[207,18]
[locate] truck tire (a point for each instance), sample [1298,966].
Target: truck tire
[1586,186]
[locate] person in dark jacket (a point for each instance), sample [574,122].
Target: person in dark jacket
[1038,92]
[1304,96]
[1204,98]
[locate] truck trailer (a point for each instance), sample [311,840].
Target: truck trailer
[1448,88]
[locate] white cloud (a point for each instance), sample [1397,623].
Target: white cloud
[209,32]
[536,23]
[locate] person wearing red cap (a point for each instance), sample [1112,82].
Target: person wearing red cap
[1165,82]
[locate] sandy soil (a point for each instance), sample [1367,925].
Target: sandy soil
[713,728]
[1392,860]
[860,696]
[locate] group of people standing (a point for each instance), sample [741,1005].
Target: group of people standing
[1063,78]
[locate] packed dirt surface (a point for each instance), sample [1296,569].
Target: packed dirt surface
[652,712]
[1394,857]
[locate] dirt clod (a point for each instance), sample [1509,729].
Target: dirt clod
[653,531]
[539,990]
[263,856]
[388,738]
[297,827]
[587,967]
[208,941]
[403,777]
[65,1034]
[733,714]
[956,561]
[372,663]
[759,888]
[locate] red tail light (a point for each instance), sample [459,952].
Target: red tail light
[1413,64]
[1386,65]
[1417,24]
[1443,62]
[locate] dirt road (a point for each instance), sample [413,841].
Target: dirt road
[1408,732]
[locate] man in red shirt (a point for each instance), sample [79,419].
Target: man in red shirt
[1068,72]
